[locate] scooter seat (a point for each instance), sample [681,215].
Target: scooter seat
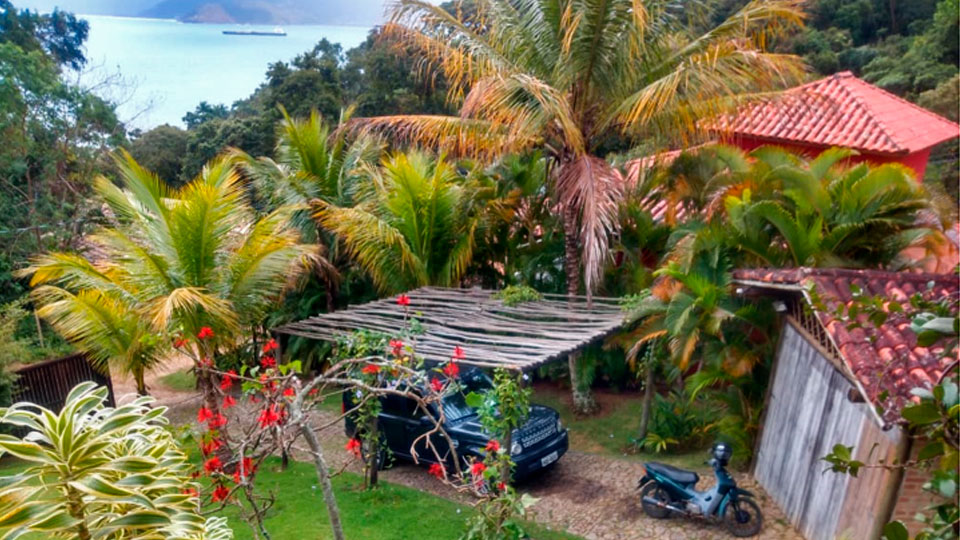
[679,476]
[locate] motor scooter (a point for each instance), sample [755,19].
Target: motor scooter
[667,490]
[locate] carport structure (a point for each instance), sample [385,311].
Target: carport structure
[492,335]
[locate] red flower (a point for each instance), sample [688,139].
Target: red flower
[228,402]
[270,345]
[211,446]
[353,446]
[493,446]
[206,362]
[226,382]
[248,470]
[458,353]
[191,492]
[268,385]
[268,362]
[370,369]
[313,391]
[396,347]
[403,300]
[451,370]
[195,475]
[477,468]
[205,332]
[218,421]
[289,392]
[180,342]
[437,470]
[436,384]
[212,465]
[221,493]
[501,486]
[204,414]
[269,417]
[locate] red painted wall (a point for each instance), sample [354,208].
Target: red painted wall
[916,161]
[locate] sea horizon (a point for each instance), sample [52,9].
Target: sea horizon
[161,69]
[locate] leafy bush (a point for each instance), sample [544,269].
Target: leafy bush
[680,422]
[100,472]
[514,295]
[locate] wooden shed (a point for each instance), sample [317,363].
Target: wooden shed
[826,387]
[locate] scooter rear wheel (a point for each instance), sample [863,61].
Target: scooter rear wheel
[743,518]
[654,491]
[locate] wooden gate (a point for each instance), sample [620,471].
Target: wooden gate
[48,383]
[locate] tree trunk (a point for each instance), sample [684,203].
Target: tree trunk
[323,475]
[571,250]
[583,402]
[138,376]
[373,459]
[647,403]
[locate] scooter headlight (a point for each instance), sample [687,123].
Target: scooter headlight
[516,448]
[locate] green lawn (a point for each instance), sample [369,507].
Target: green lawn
[611,430]
[183,381]
[387,513]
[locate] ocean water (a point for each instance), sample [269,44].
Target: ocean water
[158,70]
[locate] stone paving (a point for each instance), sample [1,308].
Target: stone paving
[591,496]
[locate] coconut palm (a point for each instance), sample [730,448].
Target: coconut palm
[566,75]
[311,162]
[414,224]
[171,263]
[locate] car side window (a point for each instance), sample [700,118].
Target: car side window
[399,406]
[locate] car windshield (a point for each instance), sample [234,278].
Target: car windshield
[455,405]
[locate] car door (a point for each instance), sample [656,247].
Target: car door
[398,422]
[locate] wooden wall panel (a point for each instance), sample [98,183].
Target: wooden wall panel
[807,414]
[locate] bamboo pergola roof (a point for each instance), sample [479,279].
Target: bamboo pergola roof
[491,334]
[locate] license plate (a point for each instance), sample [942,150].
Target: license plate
[548,459]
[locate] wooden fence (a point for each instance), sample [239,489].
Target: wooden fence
[48,383]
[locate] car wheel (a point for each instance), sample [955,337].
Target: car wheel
[657,493]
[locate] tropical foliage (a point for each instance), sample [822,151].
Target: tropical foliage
[773,208]
[99,472]
[171,263]
[415,223]
[569,76]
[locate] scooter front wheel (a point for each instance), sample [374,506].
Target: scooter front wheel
[743,518]
[654,491]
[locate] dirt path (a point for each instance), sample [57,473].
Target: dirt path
[589,495]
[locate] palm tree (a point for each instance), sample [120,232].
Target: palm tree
[312,163]
[566,75]
[415,222]
[173,261]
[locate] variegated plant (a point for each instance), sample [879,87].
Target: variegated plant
[99,472]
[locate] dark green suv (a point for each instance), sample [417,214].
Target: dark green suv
[538,444]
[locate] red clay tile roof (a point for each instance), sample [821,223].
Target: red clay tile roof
[885,358]
[842,110]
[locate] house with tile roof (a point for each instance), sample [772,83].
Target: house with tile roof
[837,384]
[841,110]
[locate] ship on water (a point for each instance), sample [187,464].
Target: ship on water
[279,32]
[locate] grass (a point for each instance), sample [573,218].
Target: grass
[386,513]
[181,381]
[611,431]
[390,512]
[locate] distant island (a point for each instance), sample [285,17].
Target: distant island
[272,12]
